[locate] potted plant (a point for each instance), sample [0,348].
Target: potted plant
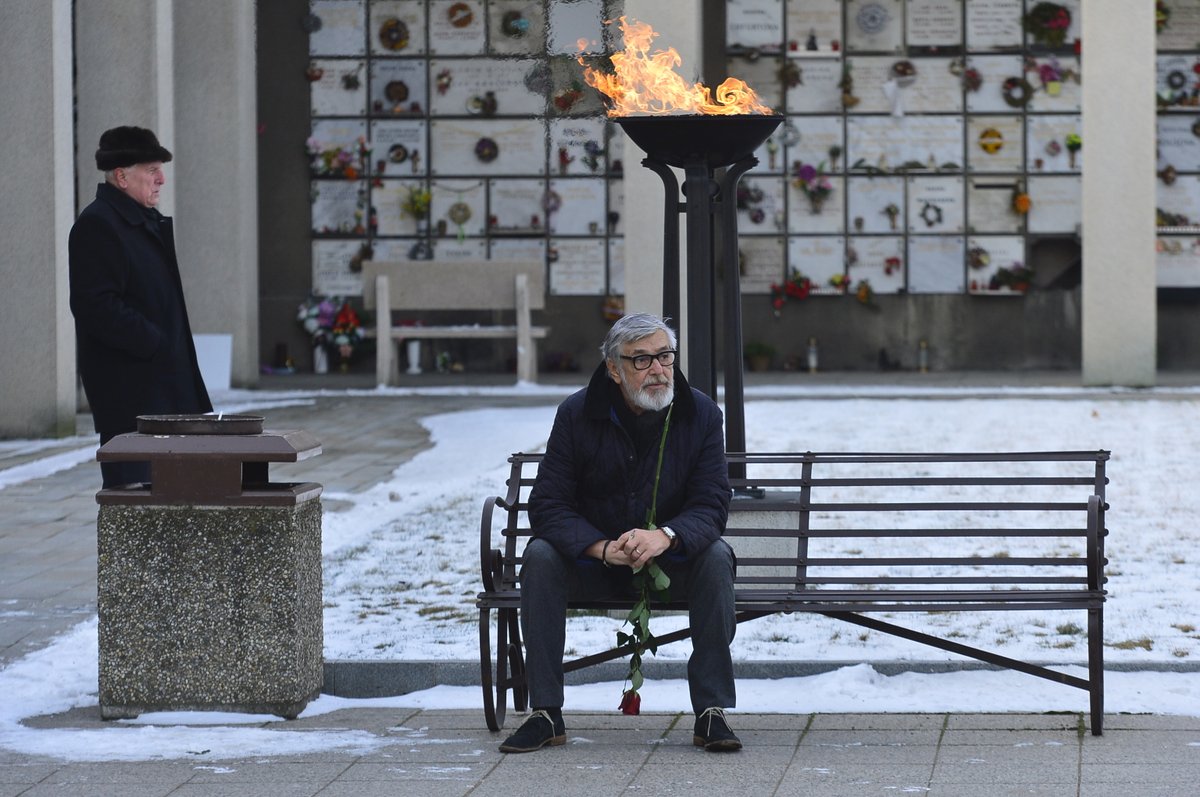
[758,355]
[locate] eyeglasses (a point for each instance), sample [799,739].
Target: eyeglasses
[642,361]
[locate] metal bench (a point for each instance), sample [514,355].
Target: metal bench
[418,285]
[844,535]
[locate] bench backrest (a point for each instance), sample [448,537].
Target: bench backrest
[454,285]
[1029,521]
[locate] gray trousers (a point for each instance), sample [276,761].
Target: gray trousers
[549,580]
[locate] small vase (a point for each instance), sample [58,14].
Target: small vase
[320,360]
[815,204]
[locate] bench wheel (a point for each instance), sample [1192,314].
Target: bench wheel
[509,666]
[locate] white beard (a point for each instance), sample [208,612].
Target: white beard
[653,401]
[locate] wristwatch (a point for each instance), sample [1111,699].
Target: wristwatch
[671,535]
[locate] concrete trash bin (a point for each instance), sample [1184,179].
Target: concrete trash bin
[209,578]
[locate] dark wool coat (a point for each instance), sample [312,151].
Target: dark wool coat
[136,355]
[593,485]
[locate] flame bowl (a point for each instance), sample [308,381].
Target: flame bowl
[686,140]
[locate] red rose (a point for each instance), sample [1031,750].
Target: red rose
[631,703]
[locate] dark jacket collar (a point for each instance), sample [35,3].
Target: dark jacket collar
[602,392]
[131,211]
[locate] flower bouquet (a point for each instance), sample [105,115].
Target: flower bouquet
[813,183]
[333,326]
[794,287]
[1048,23]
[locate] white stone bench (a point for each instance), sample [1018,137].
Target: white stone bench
[415,285]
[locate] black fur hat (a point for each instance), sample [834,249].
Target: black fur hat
[126,146]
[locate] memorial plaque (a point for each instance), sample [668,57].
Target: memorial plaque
[517,27]
[936,90]
[874,26]
[1174,79]
[995,143]
[453,250]
[935,264]
[397,87]
[1181,198]
[994,70]
[1178,144]
[339,206]
[341,89]
[761,74]
[397,148]
[879,260]
[819,259]
[809,215]
[876,204]
[818,91]
[616,206]
[518,206]
[577,146]
[989,205]
[577,267]
[1183,26]
[389,201]
[1061,96]
[1178,262]
[987,255]
[570,22]
[762,263]
[994,24]
[935,205]
[756,24]
[1057,204]
[456,27]
[760,206]
[483,87]
[527,250]
[488,146]
[580,203]
[817,136]
[459,207]
[814,26]
[935,23]
[932,89]
[884,142]
[397,27]
[1047,143]
[616,266]
[342,28]
[334,144]
[392,248]
[331,274]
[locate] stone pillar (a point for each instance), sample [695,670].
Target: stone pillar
[678,25]
[216,168]
[37,371]
[1119,277]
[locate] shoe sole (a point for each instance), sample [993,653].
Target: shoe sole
[718,746]
[553,741]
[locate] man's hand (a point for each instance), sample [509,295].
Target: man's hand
[636,547]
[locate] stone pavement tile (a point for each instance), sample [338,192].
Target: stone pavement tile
[1024,737]
[1182,776]
[134,788]
[433,786]
[25,771]
[757,747]
[883,722]
[712,774]
[979,766]
[1143,747]
[274,789]
[98,772]
[958,722]
[1124,790]
[560,773]
[837,755]
[872,737]
[814,781]
[1151,721]
[269,770]
[405,777]
[449,746]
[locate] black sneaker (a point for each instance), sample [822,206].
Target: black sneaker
[713,734]
[537,732]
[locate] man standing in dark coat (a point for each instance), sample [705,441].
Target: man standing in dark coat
[589,509]
[136,354]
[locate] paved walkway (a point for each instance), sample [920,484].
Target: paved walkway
[47,585]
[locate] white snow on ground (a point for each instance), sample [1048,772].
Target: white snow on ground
[401,572]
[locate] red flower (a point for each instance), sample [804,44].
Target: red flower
[631,703]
